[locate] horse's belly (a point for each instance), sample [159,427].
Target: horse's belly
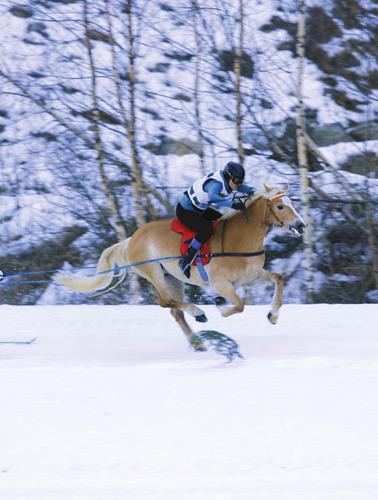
[249,275]
[173,269]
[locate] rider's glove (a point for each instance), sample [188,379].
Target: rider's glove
[237,205]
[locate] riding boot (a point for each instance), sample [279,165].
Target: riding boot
[186,261]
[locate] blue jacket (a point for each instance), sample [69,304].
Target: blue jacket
[214,190]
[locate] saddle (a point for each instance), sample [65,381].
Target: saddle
[187,236]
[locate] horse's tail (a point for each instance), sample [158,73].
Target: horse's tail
[111,257]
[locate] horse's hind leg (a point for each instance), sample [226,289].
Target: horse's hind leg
[180,318]
[166,288]
[176,289]
[170,293]
[193,339]
[276,304]
[227,290]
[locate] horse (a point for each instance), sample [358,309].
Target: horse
[237,243]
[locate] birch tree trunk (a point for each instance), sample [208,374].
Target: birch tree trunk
[109,195]
[371,234]
[129,124]
[238,91]
[197,89]
[128,121]
[302,154]
[139,185]
[137,182]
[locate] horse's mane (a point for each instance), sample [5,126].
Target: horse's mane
[257,196]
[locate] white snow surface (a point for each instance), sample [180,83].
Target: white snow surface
[111,403]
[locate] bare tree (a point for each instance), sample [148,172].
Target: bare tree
[302,154]
[109,194]
[197,84]
[129,120]
[238,90]
[372,234]
[132,123]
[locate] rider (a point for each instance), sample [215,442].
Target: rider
[194,211]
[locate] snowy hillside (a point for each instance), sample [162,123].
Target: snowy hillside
[110,403]
[110,109]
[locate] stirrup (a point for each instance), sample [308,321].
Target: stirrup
[186,261]
[185,268]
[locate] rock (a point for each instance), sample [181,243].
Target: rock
[21,11]
[45,254]
[180,147]
[227,60]
[334,133]
[372,296]
[331,133]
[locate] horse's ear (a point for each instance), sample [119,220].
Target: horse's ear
[267,188]
[276,196]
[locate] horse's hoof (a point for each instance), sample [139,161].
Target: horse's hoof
[200,348]
[197,344]
[272,318]
[220,301]
[201,318]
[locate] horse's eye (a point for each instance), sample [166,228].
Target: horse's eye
[280,207]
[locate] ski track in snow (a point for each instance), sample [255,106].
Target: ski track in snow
[110,403]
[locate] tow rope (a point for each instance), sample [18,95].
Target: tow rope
[8,280]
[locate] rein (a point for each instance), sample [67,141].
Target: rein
[279,221]
[234,254]
[264,222]
[269,207]
[247,254]
[231,254]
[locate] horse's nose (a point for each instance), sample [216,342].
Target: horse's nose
[299,226]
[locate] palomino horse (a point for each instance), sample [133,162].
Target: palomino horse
[239,234]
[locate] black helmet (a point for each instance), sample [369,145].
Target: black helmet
[234,171]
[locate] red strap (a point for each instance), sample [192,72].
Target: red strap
[187,236]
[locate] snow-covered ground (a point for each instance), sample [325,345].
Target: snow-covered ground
[110,403]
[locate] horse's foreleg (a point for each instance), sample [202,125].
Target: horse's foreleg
[190,335]
[276,304]
[227,290]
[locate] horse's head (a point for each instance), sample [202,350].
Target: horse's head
[282,211]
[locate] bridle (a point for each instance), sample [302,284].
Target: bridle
[279,223]
[268,207]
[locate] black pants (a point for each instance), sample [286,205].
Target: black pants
[198,221]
